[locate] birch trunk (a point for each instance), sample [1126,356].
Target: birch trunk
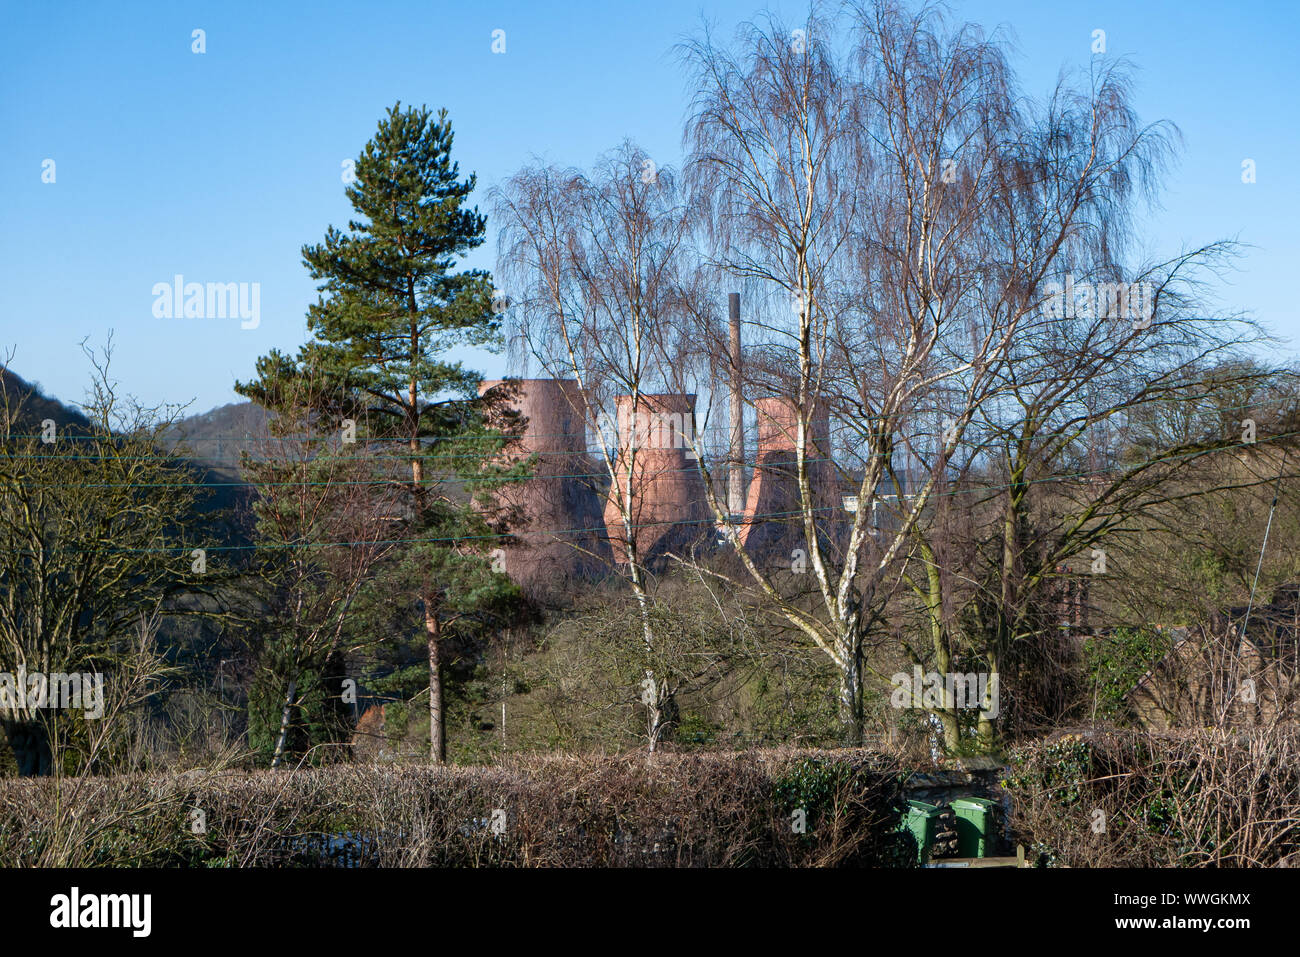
[285,714]
[437,727]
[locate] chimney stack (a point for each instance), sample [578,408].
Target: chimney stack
[736,463]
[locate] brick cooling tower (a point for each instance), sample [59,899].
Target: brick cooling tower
[669,510]
[562,537]
[773,523]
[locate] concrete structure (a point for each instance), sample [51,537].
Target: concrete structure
[563,535]
[669,509]
[773,521]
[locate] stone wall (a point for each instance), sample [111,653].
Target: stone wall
[976,777]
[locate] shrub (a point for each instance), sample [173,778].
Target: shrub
[1175,799]
[686,809]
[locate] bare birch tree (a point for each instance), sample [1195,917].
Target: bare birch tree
[591,265]
[913,206]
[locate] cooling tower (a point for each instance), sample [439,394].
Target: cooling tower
[669,510]
[773,523]
[563,534]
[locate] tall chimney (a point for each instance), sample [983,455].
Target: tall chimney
[736,463]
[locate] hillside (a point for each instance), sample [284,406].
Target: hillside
[34,406]
[217,438]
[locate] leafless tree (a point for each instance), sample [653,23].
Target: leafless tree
[591,264]
[915,209]
[94,534]
[326,520]
[856,185]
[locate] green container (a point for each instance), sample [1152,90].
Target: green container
[974,825]
[921,820]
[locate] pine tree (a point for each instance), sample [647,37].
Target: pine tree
[391,307]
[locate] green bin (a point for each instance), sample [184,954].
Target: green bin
[974,825]
[920,820]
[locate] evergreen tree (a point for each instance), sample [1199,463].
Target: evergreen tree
[392,305]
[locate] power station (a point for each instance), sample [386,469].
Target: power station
[580,519]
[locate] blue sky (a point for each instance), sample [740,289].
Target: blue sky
[221,166]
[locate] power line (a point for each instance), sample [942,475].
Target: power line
[758,518]
[756,464]
[332,436]
[703,522]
